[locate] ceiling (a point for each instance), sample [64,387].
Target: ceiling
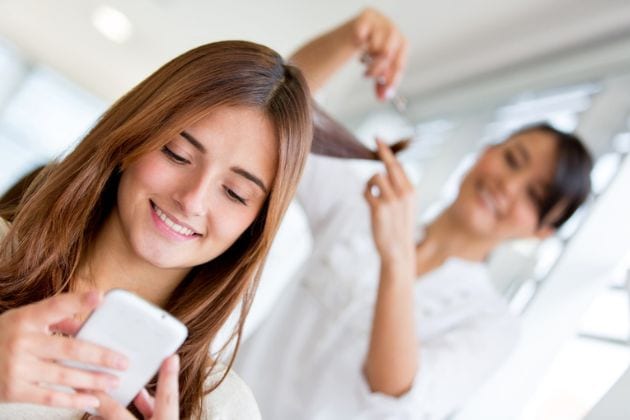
[451,40]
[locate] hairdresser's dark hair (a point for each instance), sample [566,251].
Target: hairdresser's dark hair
[571,183]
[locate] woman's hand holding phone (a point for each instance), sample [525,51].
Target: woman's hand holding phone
[165,405]
[30,354]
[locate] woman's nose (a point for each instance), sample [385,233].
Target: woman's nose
[511,185]
[193,195]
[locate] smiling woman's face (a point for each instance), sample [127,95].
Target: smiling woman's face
[187,203]
[499,197]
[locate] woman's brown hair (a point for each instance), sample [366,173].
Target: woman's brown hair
[64,208]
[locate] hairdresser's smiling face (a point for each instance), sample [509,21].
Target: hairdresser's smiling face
[186,204]
[499,197]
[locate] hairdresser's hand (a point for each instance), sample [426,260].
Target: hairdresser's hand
[29,354]
[390,196]
[384,50]
[165,405]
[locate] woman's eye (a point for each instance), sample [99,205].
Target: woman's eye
[234,196]
[174,156]
[511,159]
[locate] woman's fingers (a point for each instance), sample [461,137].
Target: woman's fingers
[383,54]
[145,403]
[43,396]
[165,406]
[385,50]
[395,171]
[71,349]
[56,374]
[57,308]
[167,395]
[379,188]
[110,409]
[69,326]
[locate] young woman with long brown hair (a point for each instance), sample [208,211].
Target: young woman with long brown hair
[175,194]
[385,323]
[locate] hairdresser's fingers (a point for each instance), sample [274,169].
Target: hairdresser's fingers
[68,348]
[381,188]
[395,171]
[44,396]
[371,194]
[145,403]
[57,308]
[110,409]
[394,72]
[384,57]
[399,64]
[56,374]
[167,394]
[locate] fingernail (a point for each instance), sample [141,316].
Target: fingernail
[92,402]
[390,93]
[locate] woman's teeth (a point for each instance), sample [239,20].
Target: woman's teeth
[182,230]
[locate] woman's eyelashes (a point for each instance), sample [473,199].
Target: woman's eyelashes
[180,160]
[174,156]
[234,196]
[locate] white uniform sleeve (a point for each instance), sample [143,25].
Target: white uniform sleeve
[326,188]
[451,368]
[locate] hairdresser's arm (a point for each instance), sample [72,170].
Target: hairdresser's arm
[370,32]
[392,357]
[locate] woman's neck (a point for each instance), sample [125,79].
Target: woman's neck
[446,237]
[110,262]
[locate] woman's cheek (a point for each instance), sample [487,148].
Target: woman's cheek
[525,219]
[228,223]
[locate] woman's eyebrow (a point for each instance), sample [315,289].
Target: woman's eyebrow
[250,176]
[196,143]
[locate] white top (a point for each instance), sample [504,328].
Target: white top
[306,361]
[232,400]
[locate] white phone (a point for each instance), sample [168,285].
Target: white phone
[144,333]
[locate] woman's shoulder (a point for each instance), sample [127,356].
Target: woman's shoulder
[233,399]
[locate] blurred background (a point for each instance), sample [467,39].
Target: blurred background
[477,70]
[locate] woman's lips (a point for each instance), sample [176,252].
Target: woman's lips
[171,226]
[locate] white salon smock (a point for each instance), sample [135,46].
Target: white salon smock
[305,361]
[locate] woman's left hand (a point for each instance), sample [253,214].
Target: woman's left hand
[391,198]
[165,405]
